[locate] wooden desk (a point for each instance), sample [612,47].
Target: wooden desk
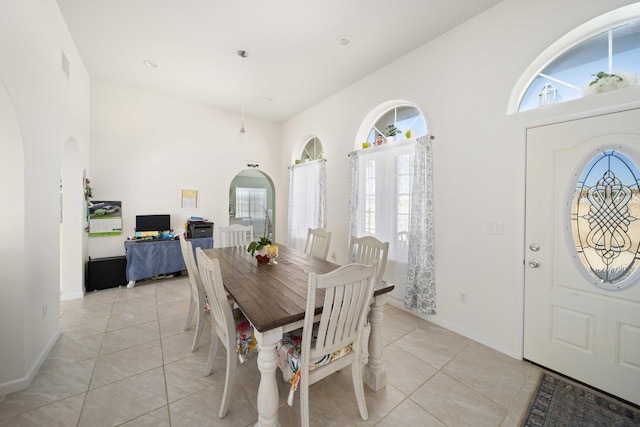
[274,298]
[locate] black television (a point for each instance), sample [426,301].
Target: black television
[153,222]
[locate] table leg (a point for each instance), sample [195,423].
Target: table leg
[131,284]
[374,374]
[268,396]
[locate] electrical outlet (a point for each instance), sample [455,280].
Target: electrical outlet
[463,297]
[44,310]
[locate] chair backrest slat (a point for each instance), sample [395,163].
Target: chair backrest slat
[347,292]
[236,235]
[367,249]
[318,241]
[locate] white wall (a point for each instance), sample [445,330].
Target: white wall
[72,248]
[147,147]
[462,83]
[49,109]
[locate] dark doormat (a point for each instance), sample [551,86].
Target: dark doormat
[561,402]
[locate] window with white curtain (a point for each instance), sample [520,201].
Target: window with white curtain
[391,198]
[384,201]
[251,202]
[307,201]
[370,197]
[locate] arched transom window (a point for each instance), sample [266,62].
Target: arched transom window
[312,150]
[605,61]
[399,122]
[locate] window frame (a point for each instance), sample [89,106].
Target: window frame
[615,18]
[251,210]
[386,209]
[416,123]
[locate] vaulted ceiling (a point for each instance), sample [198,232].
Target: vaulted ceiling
[295,55]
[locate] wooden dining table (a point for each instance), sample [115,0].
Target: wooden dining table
[274,299]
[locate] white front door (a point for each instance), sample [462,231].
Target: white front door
[582,281]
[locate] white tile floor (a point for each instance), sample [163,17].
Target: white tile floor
[123,359]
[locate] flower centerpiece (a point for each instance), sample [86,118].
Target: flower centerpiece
[604,82]
[261,244]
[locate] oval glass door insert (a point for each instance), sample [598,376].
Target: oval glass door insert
[605,219]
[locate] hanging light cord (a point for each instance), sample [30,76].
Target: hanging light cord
[242,54]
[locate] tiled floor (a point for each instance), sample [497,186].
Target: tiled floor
[123,359]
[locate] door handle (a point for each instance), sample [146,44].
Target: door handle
[534,263]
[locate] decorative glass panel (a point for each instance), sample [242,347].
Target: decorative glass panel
[605,219]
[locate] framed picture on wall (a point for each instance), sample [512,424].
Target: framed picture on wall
[189,199]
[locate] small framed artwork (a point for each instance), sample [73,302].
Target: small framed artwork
[189,199]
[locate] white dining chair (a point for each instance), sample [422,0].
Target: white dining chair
[228,327]
[197,302]
[366,250]
[335,342]
[236,235]
[318,241]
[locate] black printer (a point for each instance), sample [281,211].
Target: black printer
[199,228]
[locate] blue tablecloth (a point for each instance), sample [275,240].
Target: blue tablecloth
[148,258]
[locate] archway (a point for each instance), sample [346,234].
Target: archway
[252,202]
[14,289]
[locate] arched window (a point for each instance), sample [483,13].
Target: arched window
[595,62]
[391,199]
[398,122]
[312,150]
[307,193]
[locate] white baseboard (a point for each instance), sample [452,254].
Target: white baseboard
[22,383]
[71,295]
[459,330]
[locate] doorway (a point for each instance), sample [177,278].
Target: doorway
[252,202]
[582,281]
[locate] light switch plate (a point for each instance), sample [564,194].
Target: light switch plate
[495,228]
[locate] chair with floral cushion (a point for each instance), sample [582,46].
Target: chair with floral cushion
[335,341]
[197,304]
[227,326]
[318,240]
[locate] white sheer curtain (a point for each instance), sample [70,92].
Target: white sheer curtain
[390,198]
[307,200]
